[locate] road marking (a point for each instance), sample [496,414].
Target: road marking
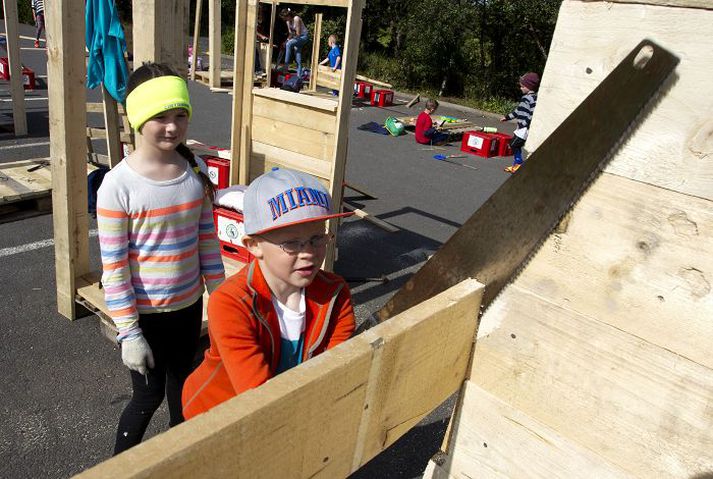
[31,98]
[26,145]
[33,246]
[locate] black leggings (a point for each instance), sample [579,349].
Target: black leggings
[173,338]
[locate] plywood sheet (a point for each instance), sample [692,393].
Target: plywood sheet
[266,156]
[642,408]
[297,139]
[673,145]
[306,117]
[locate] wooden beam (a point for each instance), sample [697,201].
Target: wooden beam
[196,34]
[326,104]
[214,42]
[160,32]
[239,166]
[17,90]
[66,73]
[704,4]
[268,62]
[323,3]
[369,390]
[113,128]
[316,39]
[370,218]
[349,63]
[247,98]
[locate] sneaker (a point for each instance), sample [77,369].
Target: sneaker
[37,44]
[513,168]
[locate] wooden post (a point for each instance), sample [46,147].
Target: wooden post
[315,51]
[112,127]
[12,38]
[214,43]
[196,34]
[238,173]
[248,75]
[160,32]
[349,61]
[67,72]
[268,61]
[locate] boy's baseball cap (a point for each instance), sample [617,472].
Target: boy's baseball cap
[284,197]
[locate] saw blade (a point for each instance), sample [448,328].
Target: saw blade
[500,237]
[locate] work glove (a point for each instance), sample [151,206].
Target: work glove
[136,354]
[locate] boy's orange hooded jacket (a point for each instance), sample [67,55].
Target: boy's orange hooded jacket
[244,335]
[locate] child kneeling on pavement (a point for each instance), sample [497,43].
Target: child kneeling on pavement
[281,309]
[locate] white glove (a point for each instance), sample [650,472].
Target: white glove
[136,354]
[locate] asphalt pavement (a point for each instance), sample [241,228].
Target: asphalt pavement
[63,384]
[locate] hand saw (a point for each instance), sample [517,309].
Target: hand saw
[500,237]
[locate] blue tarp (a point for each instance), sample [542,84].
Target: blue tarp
[106,44]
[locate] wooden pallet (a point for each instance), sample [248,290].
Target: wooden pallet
[26,188]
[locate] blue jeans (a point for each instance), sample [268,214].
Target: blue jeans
[297,44]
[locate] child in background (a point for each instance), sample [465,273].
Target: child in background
[297,37]
[38,15]
[334,58]
[281,309]
[529,83]
[426,134]
[159,249]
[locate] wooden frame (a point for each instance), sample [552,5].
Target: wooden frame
[370,390]
[156,38]
[17,91]
[294,130]
[595,361]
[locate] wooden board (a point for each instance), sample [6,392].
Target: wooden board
[673,146]
[369,391]
[266,156]
[328,78]
[493,439]
[298,139]
[326,104]
[304,116]
[641,407]
[630,256]
[18,184]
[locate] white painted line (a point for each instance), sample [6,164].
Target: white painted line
[31,98]
[33,246]
[26,145]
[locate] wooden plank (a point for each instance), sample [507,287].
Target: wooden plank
[630,253]
[266,156]
[214,42]
[326,104]
[493,439]
[370,218]
[271,43]
[640,407]
[160,32]
[112,128]
[374,82]
[307,117]
[705,4]
[17,91]
[328,78]
[350,55]
[68,149]
[249,68]
[239,167]
[323,3]
[293,138]
[316,38]
[346,387]
[100,133]
[17,184]
[196,34]
[670,147]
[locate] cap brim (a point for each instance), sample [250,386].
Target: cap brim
[309,220]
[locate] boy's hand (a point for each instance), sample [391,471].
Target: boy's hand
[503,119]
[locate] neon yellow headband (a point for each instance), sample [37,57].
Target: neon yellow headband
[156,96]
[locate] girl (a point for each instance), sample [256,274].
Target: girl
[158,248]
[296,38]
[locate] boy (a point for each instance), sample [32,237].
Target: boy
[281,309]
[523,114]
[334,57]
[426,134]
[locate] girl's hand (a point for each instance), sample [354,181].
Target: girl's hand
[136,354]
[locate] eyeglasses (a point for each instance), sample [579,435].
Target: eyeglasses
[296,246]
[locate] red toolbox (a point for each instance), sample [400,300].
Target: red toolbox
[4,69]
[480,143]
[230,229]
[363,89]
[218,170]
[504,144]
[382,97]
[28,78]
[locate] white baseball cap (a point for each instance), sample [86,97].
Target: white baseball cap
[284,197]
